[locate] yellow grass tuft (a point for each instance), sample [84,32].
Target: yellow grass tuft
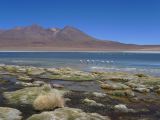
[48,101]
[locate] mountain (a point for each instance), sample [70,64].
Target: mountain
[35,37]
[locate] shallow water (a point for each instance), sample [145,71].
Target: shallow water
[88,86]
[102,61]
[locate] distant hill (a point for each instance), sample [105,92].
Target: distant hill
[35,37]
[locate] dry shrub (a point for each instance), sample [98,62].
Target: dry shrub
[49,101]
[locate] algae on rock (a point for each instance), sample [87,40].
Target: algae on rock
[67,114]
[28,95]
[9,114]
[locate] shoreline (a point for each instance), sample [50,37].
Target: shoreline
[84,51]
[103,93]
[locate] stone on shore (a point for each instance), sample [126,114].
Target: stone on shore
[57,86]
[92,102]
[67,114]
[98,94]
[30,84]
[158,91]
[142,90]
[115,76]
[68,74]
[24,78]
[122,108]
[121,93]
[114,86]
[29,94]
[34,71]
[10,114]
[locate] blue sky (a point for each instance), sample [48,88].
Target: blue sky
[128,21]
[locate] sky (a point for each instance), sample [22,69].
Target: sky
[127,21]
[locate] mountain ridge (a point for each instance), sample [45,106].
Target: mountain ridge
[35,37]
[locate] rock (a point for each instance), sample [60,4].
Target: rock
[151,88]
[29,84]
[68,74]
[10,68]
[134,100]
[66,70]
[35,71]
[38,83]
[29,94]
[120,79]
[144,110]
[122,108]
[9,114]
[132,85]
[21,70]
[54,71]
[157,87]
[141,86]
[92,102]
[121,93]
[141,75]
[60,71]
[158,91]
[67,99]
[114,86]
[71,77]
[2,65]
[142,90]
[116,76]
[151,81]
[24,78]
[25,84]
[67,114]
[98,94]
[57,86]
[14,68]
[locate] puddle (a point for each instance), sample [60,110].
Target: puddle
[87,86]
